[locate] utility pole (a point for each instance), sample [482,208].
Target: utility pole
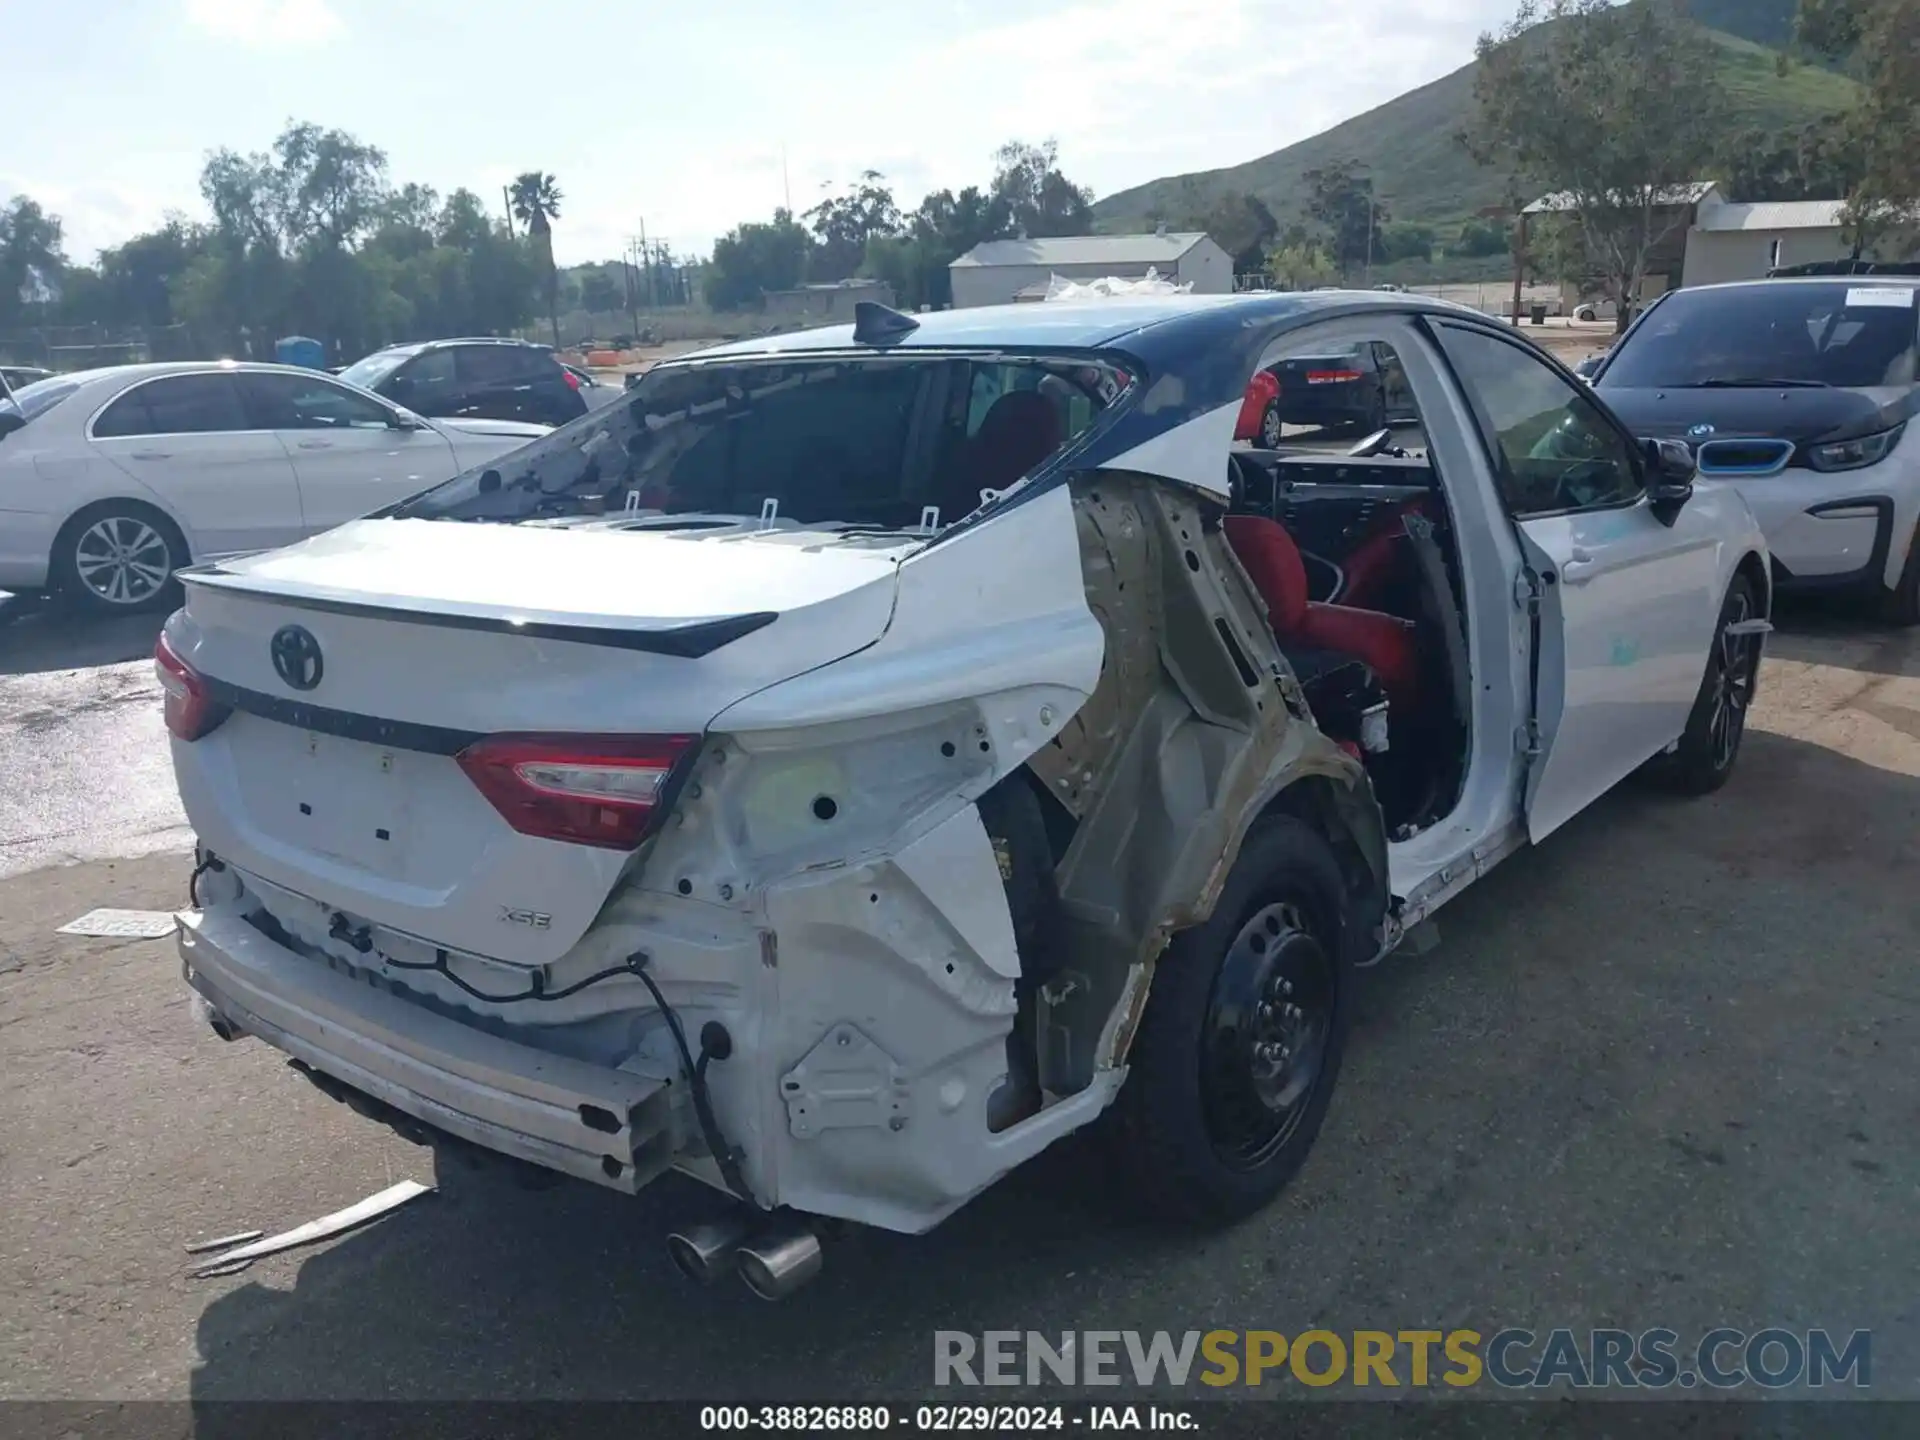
[646,259]
[506,200]
[786,185]
[633,284]
[1370,213]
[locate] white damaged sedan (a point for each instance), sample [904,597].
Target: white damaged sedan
[859,758]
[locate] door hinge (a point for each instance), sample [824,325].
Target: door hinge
[1526,739]
[1528,592]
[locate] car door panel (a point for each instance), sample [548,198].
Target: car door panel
[349,455]
[1626,597]
[232,489]
[492,385]
[1625,625]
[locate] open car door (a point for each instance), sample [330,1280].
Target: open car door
[1623,600]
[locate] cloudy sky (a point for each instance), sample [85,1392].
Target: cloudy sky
[679,118]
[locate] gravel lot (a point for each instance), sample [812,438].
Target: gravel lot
[1661,1071]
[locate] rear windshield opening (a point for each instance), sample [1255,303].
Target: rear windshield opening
[866,442]
[1854,335]
[31,401]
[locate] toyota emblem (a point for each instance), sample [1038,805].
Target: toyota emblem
[296,657]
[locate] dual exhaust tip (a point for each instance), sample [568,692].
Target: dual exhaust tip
[773,1262]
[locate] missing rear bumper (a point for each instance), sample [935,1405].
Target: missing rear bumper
[611,1127]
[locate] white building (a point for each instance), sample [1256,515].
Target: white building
[1733,241]
[999,271]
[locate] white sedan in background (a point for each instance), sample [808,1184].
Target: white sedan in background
[112,479]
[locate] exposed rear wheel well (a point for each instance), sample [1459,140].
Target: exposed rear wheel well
[1349,821]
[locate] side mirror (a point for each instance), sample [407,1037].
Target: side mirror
[10,421]
[1671,469]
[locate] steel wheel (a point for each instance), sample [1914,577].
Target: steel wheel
[1270,428]
[122,561]
[1264,1044]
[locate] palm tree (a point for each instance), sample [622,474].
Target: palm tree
[535,197]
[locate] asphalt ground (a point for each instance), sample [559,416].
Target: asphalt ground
[1660,1071]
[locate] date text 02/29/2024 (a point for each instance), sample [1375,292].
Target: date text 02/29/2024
[941,1419]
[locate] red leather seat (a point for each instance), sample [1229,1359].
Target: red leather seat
[1372,563]
[1384,643]
[1019,430]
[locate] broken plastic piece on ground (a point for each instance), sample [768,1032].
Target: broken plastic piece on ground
[122,924]
[231,1262]
[225,1242]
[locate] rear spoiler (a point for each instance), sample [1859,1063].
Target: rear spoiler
[689,640]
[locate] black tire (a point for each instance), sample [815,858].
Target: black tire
[1900,606]
[84,572]
[1202,1132]
[1272,430]
[1377,418]
[1718,722]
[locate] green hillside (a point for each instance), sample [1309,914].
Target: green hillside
[1421,171]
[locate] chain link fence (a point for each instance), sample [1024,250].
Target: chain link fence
[83,347]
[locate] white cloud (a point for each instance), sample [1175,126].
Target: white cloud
[1132,90]
[267,24]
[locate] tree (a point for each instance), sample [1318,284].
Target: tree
[1240,224]
[753,258]
[137,278]
[1039,200]
[1819,160]
[1484,237]
[845,223]
[1609,109]
[1405,240]
[1300,265]
[535,198]
[943,228]
[1342,200]
[1880,41]
[31,259]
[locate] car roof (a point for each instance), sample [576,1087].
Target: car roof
[127,374]
[1853,282]
[1086,324]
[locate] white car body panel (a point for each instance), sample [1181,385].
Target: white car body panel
[1822,525]
[229,493]
[1626,626]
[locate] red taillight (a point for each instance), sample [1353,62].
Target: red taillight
[190,711]
[600,790]
[1261,392]
[572,379]
[1332,377]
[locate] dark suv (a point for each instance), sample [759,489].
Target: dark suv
[477,379]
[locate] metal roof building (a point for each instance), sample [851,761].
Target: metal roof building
[999,272]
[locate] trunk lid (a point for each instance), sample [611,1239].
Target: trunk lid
[432,634]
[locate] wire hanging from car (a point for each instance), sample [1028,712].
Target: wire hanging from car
[715,1042]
